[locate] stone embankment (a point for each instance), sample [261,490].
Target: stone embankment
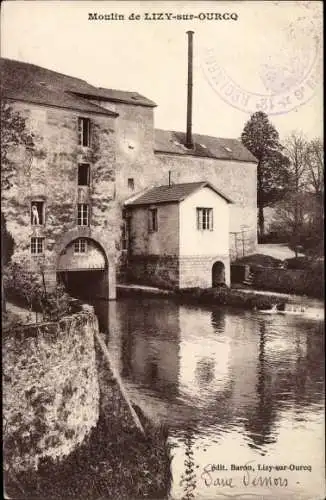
[50,390]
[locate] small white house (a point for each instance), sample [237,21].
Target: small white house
[179,235]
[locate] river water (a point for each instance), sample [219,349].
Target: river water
[236,389]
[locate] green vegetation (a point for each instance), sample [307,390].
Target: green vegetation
[27,289]
[228,297]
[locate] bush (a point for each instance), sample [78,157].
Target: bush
[300,263]
[27,290]
[259,260]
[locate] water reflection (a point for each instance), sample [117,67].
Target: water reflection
[228,383]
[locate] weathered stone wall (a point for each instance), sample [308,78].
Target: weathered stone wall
[164,241]
[197,270]
[176,271]
[50,389]
[50,175]
[155,270]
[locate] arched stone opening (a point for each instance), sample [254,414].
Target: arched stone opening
[218,274]
[84,268]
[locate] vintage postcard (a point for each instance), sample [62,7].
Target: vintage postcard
[162,187]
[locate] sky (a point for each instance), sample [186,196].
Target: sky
[264,50]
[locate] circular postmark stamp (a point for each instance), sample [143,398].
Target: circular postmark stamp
[274,74]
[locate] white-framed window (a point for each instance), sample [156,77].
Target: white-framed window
[84,131]
[37,245]
[37,213]
[80,245]
[152,220]
[83,174]
[204,219]
[82,214]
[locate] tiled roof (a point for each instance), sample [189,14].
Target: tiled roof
[167,141]
[173,193]
[33,83]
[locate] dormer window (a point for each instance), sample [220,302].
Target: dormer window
[84,129]
[131,184]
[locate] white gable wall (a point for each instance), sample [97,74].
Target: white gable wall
[196,242]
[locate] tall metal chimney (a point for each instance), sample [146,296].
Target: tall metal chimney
[189,143]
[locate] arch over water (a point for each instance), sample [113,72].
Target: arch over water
[87,273]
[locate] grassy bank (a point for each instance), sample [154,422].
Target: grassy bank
[229,297]
[215,296]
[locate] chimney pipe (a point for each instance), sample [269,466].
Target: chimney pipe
[189,142]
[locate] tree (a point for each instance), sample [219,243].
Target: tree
[7,242]
[314,159]
[262,139]
[7,249]
[14,133]
[304,201]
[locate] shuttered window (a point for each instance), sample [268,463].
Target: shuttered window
[152,220]
[84,130]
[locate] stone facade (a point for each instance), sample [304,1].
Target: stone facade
[124,160]
[197,270]
[50,390]
[50,176]
[179,253]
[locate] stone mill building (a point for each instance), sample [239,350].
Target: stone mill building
[73,204]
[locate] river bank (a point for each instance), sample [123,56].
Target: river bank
[219,296]
[113,460]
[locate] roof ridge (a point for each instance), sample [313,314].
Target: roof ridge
[198,134]
[46,69]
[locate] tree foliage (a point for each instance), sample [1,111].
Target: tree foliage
[314,159]
[300,216]
[14,133]
[262,139]
[7,242]
[28,290]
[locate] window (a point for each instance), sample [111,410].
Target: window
[82,215]
[124,235]
[84,128]
[37,245]
[80,245]
[83,174]
[152,220]
[205,219]
[37,213]
[131,184]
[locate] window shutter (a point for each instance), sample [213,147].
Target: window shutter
[88,133]
[211,222]
[80,131]
[149,220]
